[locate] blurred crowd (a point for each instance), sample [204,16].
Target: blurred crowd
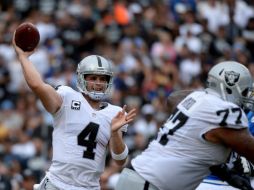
[157,46]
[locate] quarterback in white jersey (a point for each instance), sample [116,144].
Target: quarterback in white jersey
[84,126]
[201,132]
[80,138]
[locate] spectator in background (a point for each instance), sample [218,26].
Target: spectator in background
[28,180]
[190,24]
[181,6]
[163,49]
[248,35]
[10,119]
[5,181]
[146,124]
[239,12]
[215,12]
[190,67]
[4,80]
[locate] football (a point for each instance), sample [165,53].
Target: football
[27,36]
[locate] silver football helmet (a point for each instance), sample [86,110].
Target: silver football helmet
[98,65]
[233,82]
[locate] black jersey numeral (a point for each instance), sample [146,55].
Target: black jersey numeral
[87,138]
[239,111]
[177,119]
[225,114]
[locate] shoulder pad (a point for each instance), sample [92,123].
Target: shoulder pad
[212,109]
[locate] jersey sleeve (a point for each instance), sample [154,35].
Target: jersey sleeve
[62,91]
[215,111]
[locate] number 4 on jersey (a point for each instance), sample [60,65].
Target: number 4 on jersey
[87,138]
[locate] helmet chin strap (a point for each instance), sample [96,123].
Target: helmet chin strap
[96,95]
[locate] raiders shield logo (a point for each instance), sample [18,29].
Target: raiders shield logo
[231,77]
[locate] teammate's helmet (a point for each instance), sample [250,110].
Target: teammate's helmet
[98,65]
[233,82]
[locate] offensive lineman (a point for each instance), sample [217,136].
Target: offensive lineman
[200,133]
[84,125]
[233,175]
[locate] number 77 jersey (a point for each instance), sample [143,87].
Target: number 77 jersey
[80,141]
[183,156]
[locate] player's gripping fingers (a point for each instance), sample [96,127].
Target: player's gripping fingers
[130,115]
[124,109]
[18,50]
[118,115]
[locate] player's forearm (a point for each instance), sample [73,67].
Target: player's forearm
[117,146]
[116,142]
[247,151]
[31,75]
[244,145]
[49,98]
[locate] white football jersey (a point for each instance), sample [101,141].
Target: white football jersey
[80,140]
[180,157]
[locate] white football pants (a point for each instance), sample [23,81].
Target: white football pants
[131,180]
[214,184]
[45,184]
